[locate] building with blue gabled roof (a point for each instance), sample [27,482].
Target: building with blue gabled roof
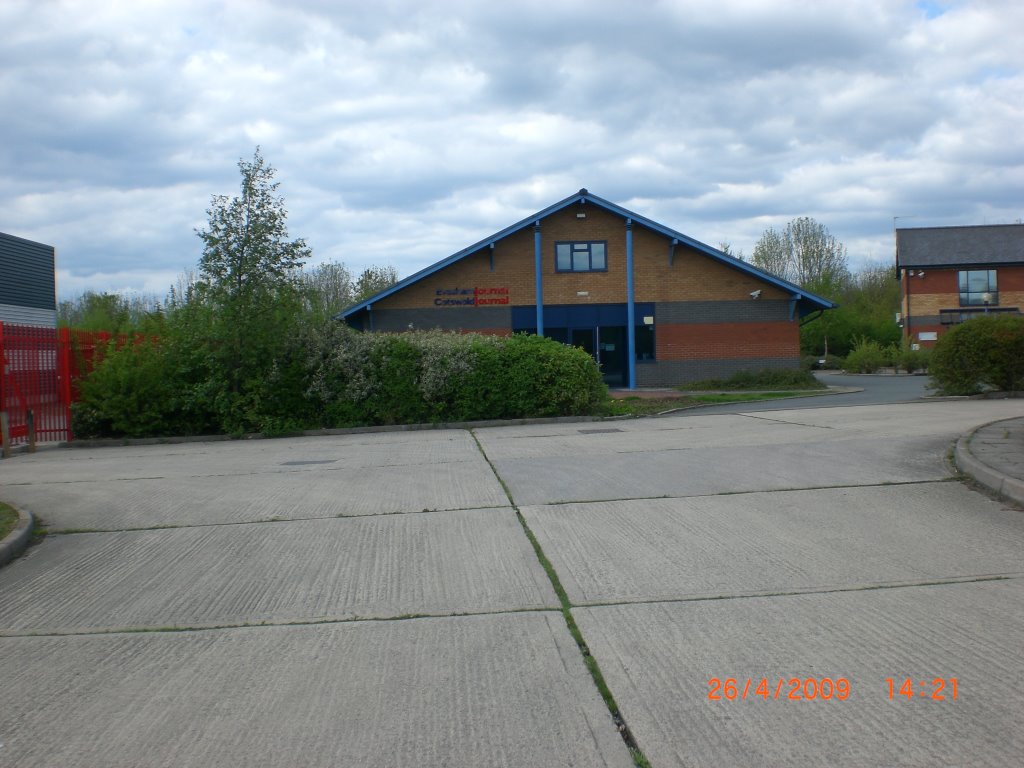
[584,271]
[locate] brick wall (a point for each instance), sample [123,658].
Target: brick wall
[938,289]
[692,276]
[704,311]
[727,340]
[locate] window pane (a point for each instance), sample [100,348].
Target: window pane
[597,260]
[992,285]
[580,261]
[963,281]
[563,259]
[644,340]
[977,282]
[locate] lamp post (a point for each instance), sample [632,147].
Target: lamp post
[986,299]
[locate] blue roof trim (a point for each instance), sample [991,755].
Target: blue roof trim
[585,196]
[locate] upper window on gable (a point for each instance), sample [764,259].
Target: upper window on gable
[581,256]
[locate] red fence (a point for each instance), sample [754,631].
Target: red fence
[41,368]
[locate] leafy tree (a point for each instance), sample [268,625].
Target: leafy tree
[248,280]
[112,312]
[804,253]
[329,288]
[246,248]
[772,255]
[726,247]
[867,310]
[373,280]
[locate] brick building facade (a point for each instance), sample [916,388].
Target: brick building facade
[584,270]
[950,274]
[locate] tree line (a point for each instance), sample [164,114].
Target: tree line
[806,253]
[326,289]
[248,343]
[232,333]
[239,335]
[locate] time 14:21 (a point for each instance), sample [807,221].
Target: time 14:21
[937,689]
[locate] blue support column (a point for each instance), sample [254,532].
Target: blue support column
[630,309]
[537,264]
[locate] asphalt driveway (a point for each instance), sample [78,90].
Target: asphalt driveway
[382,599]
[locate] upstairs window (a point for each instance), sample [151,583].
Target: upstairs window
[978,288]
[581,256]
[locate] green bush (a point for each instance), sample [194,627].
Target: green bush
[332,376]
[431,376]
[138,391]
[867,357]
[983,353]
[910,360]
[763,380]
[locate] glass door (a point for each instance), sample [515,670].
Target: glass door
[611,349]
[584,337]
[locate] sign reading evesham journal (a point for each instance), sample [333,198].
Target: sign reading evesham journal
[470,297]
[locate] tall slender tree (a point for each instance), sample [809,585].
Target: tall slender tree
[248,274]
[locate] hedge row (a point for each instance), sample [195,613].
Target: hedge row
[336,377]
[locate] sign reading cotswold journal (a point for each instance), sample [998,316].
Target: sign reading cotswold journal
[470,297]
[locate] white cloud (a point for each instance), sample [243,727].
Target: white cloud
[404,131]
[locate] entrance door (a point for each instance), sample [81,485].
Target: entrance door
[607,345]
[584,337]
[611,350]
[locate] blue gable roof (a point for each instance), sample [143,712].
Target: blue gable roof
[808,301]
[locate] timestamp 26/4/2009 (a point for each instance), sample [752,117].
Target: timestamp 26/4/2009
[826,689]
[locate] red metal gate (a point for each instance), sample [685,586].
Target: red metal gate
[36,380]
[40,369]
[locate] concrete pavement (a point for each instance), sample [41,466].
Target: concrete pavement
[375,599]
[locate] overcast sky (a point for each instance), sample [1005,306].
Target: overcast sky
[405,131]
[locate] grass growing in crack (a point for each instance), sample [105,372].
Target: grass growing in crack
[639,759]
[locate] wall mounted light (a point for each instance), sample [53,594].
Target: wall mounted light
[920,273]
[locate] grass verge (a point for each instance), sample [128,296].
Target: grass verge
[643,406]
[746,397]
[649,406]
[8,519]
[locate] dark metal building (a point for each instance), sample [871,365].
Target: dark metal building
[28,286]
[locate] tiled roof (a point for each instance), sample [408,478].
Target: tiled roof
[960,246]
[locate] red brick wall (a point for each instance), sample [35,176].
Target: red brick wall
[703,341]
[939,289]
